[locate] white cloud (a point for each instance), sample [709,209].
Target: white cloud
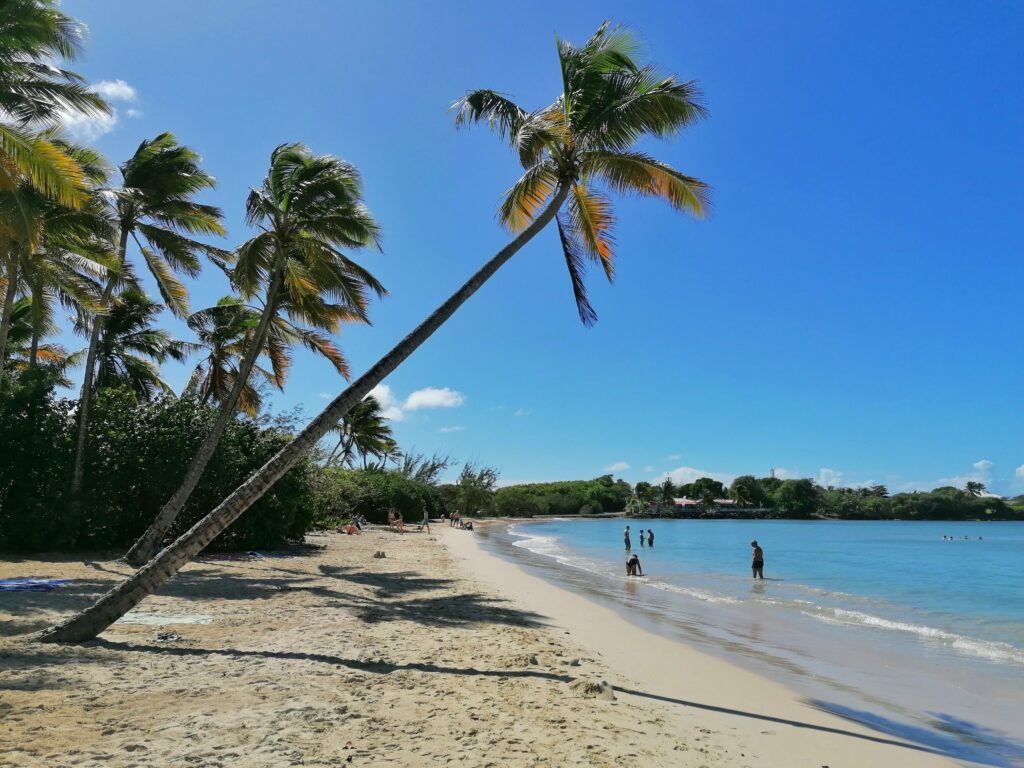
[1019,472]
[432,397]
[673,457]
[683,475]
[88,127]
[324,395]
[520,412]
[452,429]
[648,468]
[428,397]
[389,405]
[984,466]
[114,90]
[827,477]
[91,127]
[618,466]
[785,474]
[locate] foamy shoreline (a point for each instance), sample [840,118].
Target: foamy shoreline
[768,720]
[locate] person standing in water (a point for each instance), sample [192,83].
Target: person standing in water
[625,537]
[650,538]
[641,537]
[757,565]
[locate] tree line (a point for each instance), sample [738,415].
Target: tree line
[804,498]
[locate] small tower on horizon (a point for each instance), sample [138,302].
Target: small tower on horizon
[771,471]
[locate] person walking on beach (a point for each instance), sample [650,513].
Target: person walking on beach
[425,522]
[625,536]
[650,538]
[757,565]
[633,566]
[641,537]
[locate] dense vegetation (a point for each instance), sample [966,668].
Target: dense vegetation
[804,499]
[572,497]
[140,449]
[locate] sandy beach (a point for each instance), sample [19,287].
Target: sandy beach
[437,654]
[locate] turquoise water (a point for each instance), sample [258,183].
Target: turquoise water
[887,623]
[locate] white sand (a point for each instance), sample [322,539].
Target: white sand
[336,658]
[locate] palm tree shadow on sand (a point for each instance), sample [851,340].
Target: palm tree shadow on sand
[948,735]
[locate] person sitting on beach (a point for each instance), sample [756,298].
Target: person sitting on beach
[650,538]
[757,565]
[633,566]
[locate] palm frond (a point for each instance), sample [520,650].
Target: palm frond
[575,261]
[498,111]
[528,196]
[637,173]
[591,217]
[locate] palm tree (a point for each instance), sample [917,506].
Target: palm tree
[24,348]
[52,250]
[131,346]
[975,488]
[35,93]
[308,209]
[363,430]
[226,332]
[609,101]
[155,208]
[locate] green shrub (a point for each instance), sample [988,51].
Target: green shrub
[137,455]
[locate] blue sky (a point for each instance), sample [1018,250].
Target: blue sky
[850,312]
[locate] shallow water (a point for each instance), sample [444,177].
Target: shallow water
[887,623]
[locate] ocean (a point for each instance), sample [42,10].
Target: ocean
[913,628]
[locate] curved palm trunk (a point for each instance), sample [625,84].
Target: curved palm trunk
[148,544]
[129,593]
[87,380]
[5,316]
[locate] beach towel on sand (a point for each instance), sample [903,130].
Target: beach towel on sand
[31,585]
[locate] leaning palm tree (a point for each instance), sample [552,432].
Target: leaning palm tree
[308,209]
[132,347]
[363,431]
[36,93]
[609,101]
[155,208]
[225,332]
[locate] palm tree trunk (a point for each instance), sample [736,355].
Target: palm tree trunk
[86,396]
[8,309]
[36,318]
[129,593]
[148,544]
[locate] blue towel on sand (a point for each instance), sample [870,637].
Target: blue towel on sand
[31,585]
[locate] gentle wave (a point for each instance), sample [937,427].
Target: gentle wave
[990,650]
